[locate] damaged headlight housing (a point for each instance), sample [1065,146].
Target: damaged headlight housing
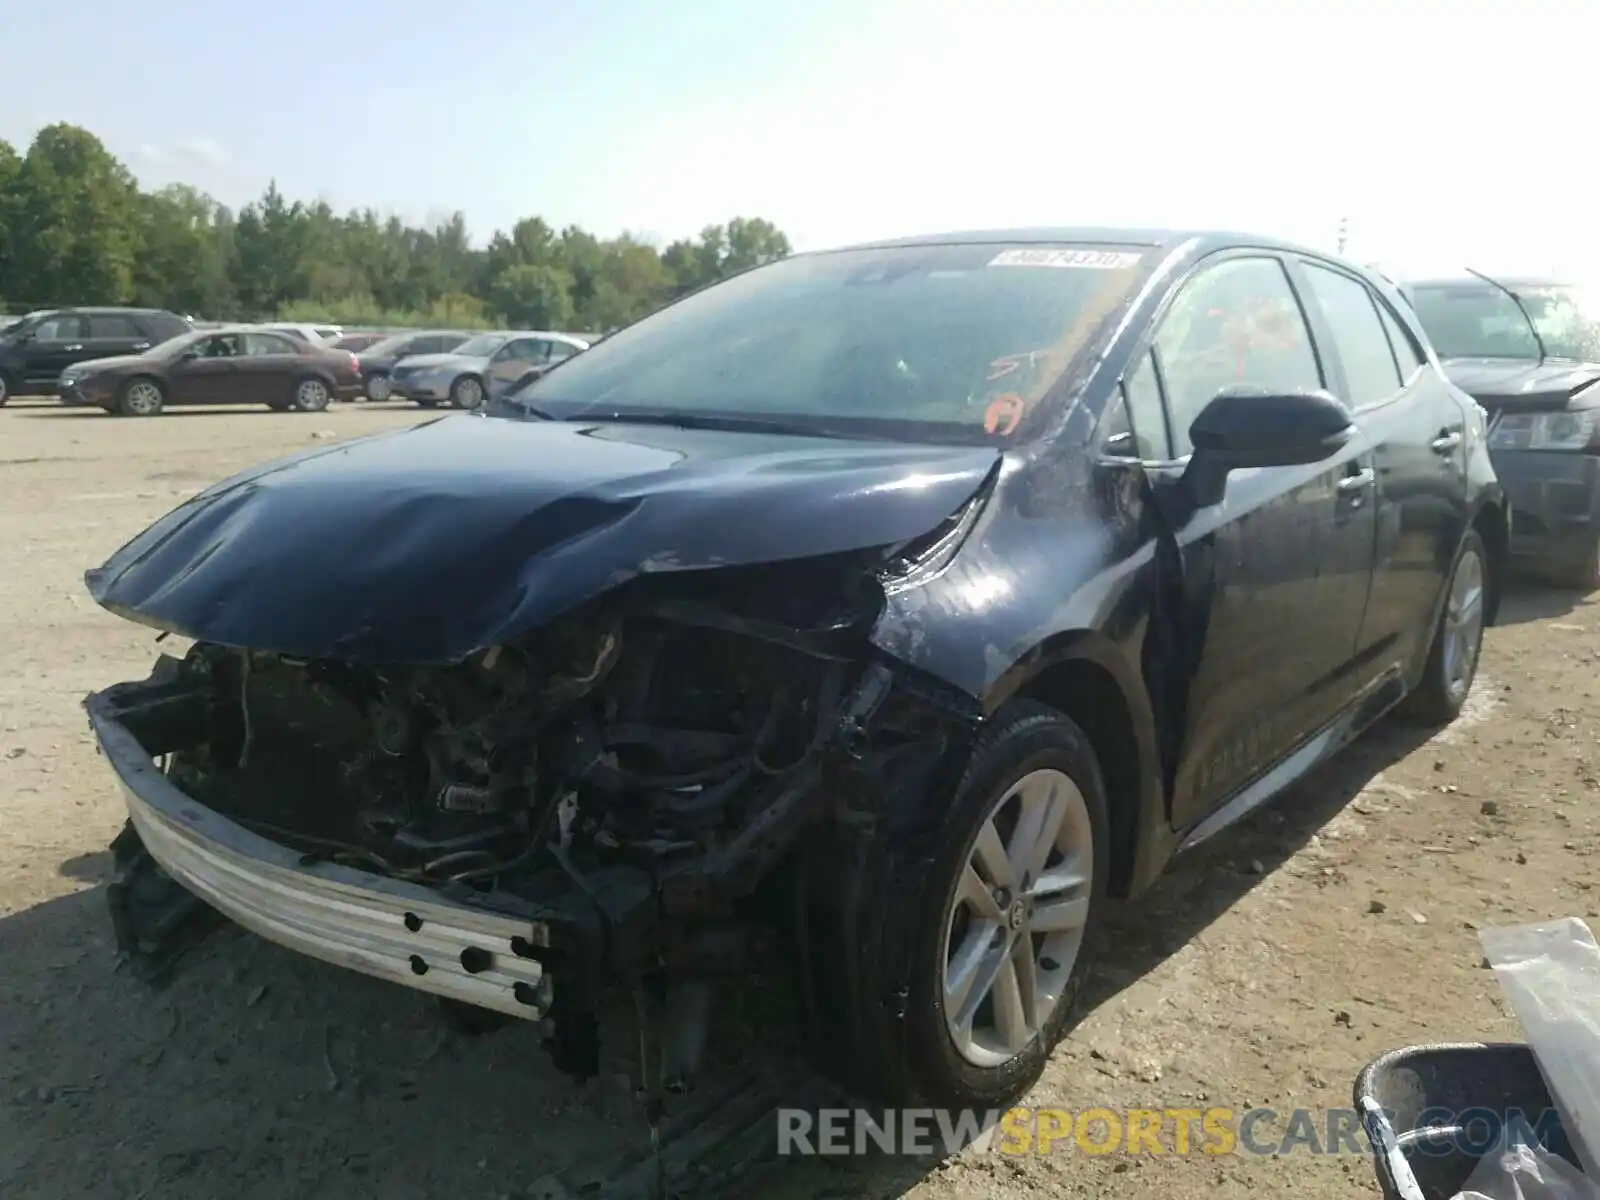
[912,564]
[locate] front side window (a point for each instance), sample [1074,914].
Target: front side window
[1477,320]
[952,342]
[69,327]
[1358,334]
[1234,324]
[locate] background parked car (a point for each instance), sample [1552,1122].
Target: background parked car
[1528,350]
[378,360]
[464,376]
[41,345]
[244,365]
[356,342]
[315,334]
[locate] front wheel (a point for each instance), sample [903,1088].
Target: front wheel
[140,398]
[311,395]
[1457,639]
[5,390]
[467,392]
[980,917]
[379,389]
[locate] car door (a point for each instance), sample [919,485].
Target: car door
[115,334]
[1274,574]
[266,372]
[52,346]
[1417,429]
[515,359]
[206,373]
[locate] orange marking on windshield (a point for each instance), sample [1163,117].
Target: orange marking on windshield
[1004,414]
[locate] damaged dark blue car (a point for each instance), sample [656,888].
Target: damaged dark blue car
[885,610]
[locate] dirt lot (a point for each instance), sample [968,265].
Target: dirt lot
[1265,971]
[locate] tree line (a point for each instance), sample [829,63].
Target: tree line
[75,228]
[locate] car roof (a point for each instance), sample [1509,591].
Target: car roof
[1514,282]
[568,338]
[1156,239]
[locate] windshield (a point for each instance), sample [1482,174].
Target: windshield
[947,342]
[483,345]
[1475,320]
[393,344]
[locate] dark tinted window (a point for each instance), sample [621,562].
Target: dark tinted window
[1405,350]
[114,325]
[1235,323]
[1351,312]
[449,341]
[69,327]
[1140,413]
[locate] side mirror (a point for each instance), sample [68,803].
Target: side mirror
[1254,427]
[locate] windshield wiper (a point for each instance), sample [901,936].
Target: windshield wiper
[1521,308]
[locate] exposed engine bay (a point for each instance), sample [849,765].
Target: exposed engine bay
[637,779]
[649,739]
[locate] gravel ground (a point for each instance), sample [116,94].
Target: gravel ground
[1263,971]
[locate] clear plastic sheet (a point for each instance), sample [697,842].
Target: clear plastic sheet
[1524,1172]
[1550,973]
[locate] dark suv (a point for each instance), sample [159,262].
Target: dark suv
[35,350]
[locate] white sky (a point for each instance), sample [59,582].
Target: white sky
[1444,132]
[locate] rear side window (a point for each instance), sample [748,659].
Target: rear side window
[450,341]
[114,325]
[1352,314]
[1405,350]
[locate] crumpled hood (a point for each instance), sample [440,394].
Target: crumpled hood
[1520,384]
[430,362]
[424,545]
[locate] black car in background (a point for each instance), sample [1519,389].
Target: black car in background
[916,597]
[1528,350]
[377,360]
[35,350]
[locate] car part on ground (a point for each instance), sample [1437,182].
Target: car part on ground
[1431,1112]
[888,665]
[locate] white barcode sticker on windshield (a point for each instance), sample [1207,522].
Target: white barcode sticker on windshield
[1093,260]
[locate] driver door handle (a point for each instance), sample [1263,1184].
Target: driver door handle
[141,345]
[76,346]
[1446,442]
[1360,481]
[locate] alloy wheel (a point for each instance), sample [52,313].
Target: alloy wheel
[311,395]
[144,399]
[1463,624]
[1015,925]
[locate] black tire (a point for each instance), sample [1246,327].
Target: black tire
[1439,697]
[141,396]
[467,393]
[5,389]
[310,395]
[908,897]
[378,387]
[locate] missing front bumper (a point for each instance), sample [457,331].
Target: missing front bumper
[380,927]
